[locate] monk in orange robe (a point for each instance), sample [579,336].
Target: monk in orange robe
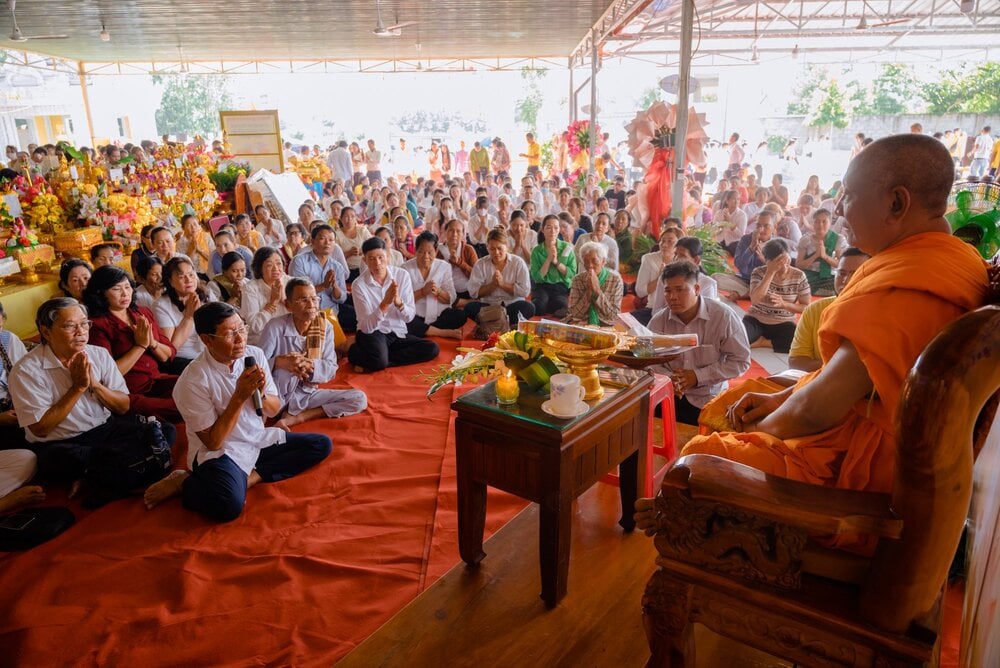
[836,426]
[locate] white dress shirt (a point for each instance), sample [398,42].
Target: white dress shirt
[530,241]
[168,315]
[368,294]
[15,351]
[479,227]
[38,380]
[276,237]
[428,307]
[202,393]
[256,294]
[650,268]
[514,272]
[735,225]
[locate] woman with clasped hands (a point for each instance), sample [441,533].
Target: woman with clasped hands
[595,297]
[130,333]
[174,310]
[264,296]
[553,266]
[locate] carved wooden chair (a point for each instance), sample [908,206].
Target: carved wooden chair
[735,552]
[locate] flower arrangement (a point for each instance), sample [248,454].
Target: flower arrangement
[578,137]
[16,235]
[44,211]
[518,351]
[225,178]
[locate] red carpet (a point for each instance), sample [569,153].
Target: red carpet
[314,565]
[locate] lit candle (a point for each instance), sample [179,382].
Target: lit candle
[507,389]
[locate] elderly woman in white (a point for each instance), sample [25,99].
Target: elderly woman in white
[433,293]
[500,278]
[602,224]
[595,295]
[264,296]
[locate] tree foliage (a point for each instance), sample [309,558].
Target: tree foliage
[649,96]
[526,109]
[893,91]
[190,104]
[829,108]
[810,79]
[971,90]
[422,121]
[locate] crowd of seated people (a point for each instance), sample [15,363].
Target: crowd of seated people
[397,264]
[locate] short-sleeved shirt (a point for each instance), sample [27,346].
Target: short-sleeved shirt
[806,341]
[793,287]
[202,393]
[15,350]
[168,315]
[38,380]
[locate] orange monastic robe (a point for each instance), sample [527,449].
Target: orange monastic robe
[894,305]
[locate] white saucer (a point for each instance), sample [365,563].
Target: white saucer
[581,408]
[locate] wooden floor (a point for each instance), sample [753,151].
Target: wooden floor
[493,616]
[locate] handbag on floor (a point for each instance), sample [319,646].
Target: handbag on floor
[491,318]
[33,526]
[135,458]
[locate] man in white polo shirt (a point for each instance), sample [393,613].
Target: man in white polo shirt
[67,393]
[383,300]
[229,448]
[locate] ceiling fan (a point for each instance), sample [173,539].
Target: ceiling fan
[382,30]
[17,36]
[864,25]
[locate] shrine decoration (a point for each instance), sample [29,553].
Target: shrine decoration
[652,143]
[577,138]
[516,351]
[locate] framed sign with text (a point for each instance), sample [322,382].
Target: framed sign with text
[254,137]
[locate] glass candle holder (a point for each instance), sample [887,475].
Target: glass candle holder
[507,390]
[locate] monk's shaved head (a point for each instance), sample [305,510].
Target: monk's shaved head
[918,163]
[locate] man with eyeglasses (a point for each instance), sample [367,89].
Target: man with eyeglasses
[804,353]
[67,394]
[300,347]
[229,448]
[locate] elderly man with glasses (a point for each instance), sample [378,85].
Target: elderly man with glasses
[224,396]
[68,395]
[300,347]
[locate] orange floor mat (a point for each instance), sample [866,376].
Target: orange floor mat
[314,565]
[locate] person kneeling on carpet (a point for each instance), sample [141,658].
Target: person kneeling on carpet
[300,347]
[71,399]
[722,353]
[224,396]
[383,299]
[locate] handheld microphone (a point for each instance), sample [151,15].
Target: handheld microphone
[250,362]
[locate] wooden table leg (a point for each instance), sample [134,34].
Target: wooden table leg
[471,504]
[555,525]
[629,479]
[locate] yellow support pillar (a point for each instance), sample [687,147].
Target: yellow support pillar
[86,102]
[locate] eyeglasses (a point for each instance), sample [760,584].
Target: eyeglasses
[232,335]
[74,327]
[306,300]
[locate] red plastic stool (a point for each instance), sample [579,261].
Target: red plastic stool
[662,393]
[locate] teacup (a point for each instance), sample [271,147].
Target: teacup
[566,393]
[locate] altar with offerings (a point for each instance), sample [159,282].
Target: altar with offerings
[69,204]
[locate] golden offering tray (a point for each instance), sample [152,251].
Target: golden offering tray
[78,242]
[29,258]
[583,361]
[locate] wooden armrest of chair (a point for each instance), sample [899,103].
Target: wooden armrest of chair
[816,509]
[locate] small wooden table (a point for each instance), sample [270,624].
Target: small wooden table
[551,461]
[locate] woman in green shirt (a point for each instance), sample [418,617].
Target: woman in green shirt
[553,266]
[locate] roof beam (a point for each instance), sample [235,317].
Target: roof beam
[619,14]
